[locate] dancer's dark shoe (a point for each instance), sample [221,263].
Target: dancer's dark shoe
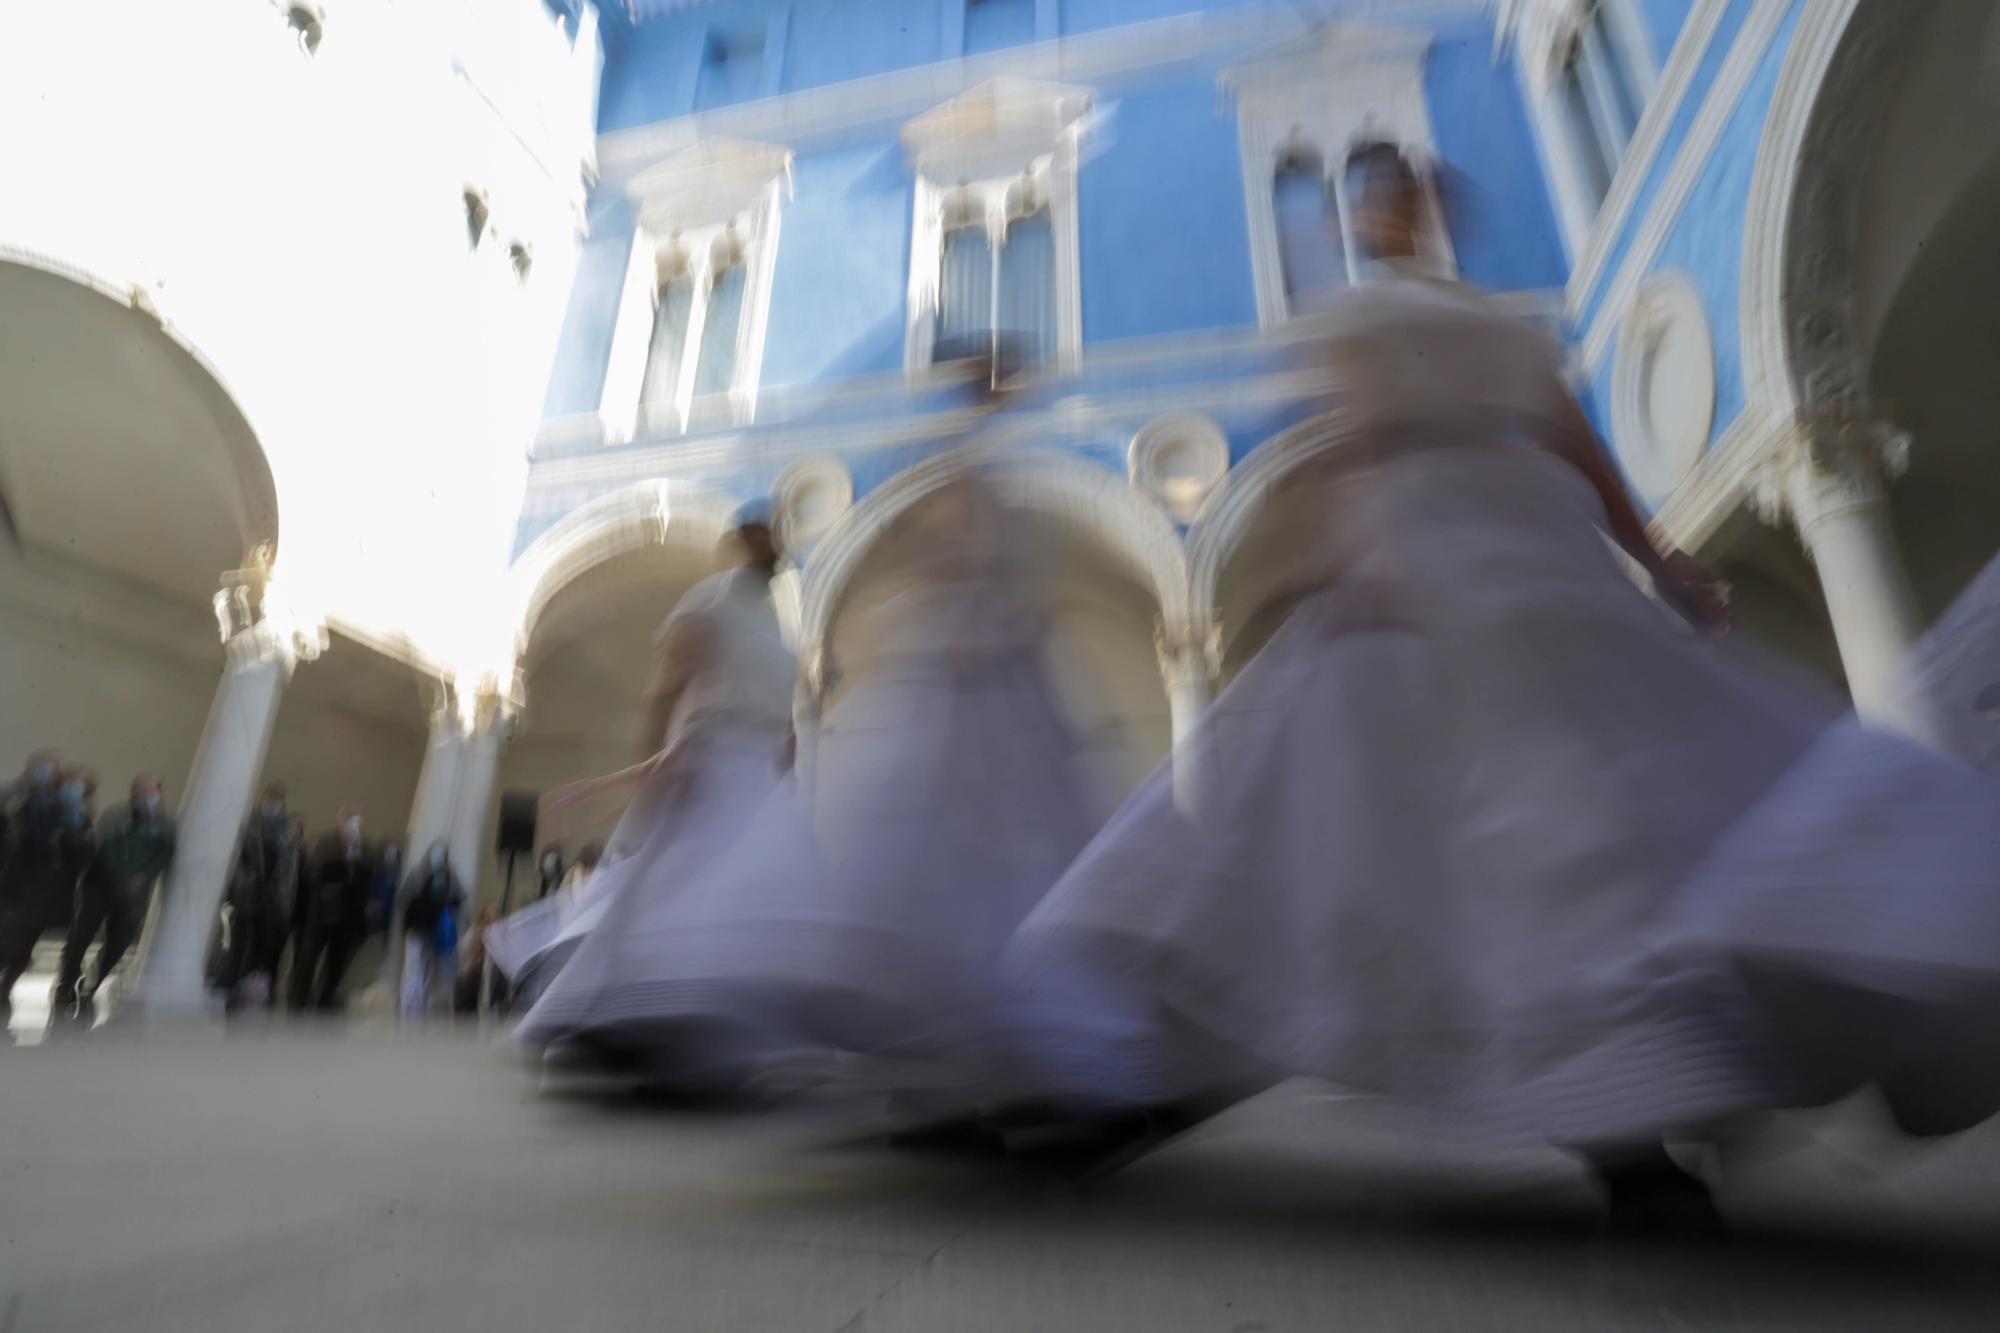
[1647,1194]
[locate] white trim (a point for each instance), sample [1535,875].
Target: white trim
[1716,112]
[1690,49]
[970,154]
[721,194]
[1198,440]
[1704,504]
[1325,92]
[1774,190]
[1075,416]
[1095,503]
[835,112]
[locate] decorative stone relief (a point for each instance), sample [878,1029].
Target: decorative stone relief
[1178,459]
[1663,386]
[812,493]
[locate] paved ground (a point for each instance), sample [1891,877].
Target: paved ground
[326,1180]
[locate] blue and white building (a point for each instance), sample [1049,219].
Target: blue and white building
[706,251]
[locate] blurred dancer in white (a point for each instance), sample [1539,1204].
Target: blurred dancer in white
[862,938]
[520,946]
[1444,810]
[718,726]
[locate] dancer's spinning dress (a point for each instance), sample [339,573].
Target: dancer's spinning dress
[727,739]
[1441,818]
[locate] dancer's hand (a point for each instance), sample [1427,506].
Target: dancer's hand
[1701,593]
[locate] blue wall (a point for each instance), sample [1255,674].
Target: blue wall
[1502,221]
[1165,243]
[576,382]
[1725,37]
[1663,20]
[838,295]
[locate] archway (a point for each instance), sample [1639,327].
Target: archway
[132,482]
[1867,284]
[588,597]
[1106,566]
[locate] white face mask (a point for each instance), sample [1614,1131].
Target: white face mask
[272,809]
[149,804]
[42,774]
[352,828]
[73,792]
[437,858]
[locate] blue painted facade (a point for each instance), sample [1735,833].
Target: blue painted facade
[1169,311]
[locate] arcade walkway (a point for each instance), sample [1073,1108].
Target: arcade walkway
[307,1181]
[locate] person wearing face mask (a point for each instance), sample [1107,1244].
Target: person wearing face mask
[31,866]
[135,844]
[551,870]
[432,904]
[259,902]
[335,919]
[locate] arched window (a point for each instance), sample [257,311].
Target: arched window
[1311,250]
[673,305]
[965,294]
[1386,203]
[307,27]
[476,215]
[715,359]
[1599,98]
[1027,320]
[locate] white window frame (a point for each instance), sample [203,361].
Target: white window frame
[1548,39]
[721,197]
[973,153]
[1329,93]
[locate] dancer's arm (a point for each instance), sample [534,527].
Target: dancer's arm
[1680,577]
[682,655]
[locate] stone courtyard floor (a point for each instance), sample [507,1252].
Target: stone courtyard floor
[304,1179]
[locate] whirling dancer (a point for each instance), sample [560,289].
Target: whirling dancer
[521,946]
[1446,808]
[718,723]
[857,944]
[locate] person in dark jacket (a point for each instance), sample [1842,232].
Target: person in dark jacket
[135,844]
[50,841]
[29,866]
[258,903]
[335,918]
[433,903]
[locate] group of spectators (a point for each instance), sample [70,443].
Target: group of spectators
[62,865]
[295,913]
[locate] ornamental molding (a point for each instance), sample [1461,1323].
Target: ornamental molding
[1717,109]
[1649,139]
[1832,462]
[708,184]
[1178,459]
[1666,331]
[1091,502]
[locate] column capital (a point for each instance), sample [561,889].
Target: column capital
[474,708]
[1830,462]
[257,626]
[1190,649]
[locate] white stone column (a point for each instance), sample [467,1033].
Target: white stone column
[1831,480]
[1190,660]
[808,701]
[259,657]
[455,794]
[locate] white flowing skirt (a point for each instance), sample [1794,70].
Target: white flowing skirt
[1441,820]
[594,973]
[873,927]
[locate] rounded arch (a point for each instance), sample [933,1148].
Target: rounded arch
[646,513]
[1223,523]
[143,364]
[1797,318]
[1096,504]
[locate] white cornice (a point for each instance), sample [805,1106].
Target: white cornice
[819,115]
[1716,111]
[709,182]
[1647,140]
[1077,416]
